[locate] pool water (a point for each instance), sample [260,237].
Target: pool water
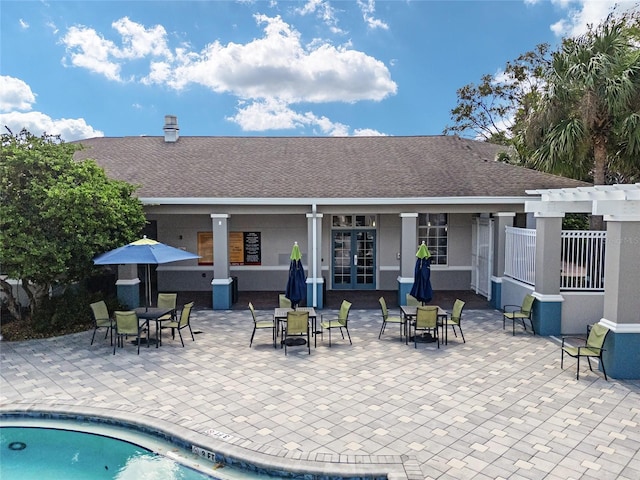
[64,450]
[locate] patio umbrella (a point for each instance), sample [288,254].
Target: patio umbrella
[421,288]
[297,283]
[144,251]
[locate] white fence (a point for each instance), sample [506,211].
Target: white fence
[582,254]
[582,260]
[520,254]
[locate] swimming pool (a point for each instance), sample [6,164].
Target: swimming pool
[56,449]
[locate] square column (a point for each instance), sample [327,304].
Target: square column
[547,310]
[501,221]
[408,248]
[315,281]
[622,299]
[221,285]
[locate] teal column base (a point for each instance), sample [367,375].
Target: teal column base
[403,289]
[128,292]
[496,295]
[621,356]
[222,294]
[547,315]
[319,293]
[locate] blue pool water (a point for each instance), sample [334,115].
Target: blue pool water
[48,453]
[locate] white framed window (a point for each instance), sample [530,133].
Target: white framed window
[432,230]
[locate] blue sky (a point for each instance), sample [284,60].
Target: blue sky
[247,68]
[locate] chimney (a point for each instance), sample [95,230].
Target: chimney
[171,130]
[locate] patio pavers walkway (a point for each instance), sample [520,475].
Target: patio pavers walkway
[497,406]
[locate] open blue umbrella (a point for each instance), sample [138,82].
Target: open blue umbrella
[144,251]
[297,284]
[421,288]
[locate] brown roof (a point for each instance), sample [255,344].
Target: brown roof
[314,167]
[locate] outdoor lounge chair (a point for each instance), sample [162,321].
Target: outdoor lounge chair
[168,300]
[127,324]
[183,322]
[519,312]
[101,319]
[283,301]
[426,320]
[296,330]
[329,322]
[387,319]
[454,320]
[260,323]
[591,349]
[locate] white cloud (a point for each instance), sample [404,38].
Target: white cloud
[15,94]
[323,10]
[368,132]
[273,72]
[368,8]
[23,24]
[581,13]
[279,66]
[38,123]
[87,49]
[271,114]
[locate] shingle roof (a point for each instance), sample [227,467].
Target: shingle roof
[314,167]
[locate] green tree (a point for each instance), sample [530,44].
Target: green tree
[56,214]
[492,110]
[587,124]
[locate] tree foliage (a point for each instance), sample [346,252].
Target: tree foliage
[587,124]
[573,112]
[56,214]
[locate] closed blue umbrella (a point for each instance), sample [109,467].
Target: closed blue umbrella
[144,251]
[297,284]
[421,288]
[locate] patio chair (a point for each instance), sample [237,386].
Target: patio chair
[519,312]
[454,320]
[387,319]
[412,301]
[283,301]
[101,319]
[260,323]
[426,320]
[329,322]
[183,322]
[591,349]
[127,324]
[296,330]
[168,300]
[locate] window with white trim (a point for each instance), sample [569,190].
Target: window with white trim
[432,230]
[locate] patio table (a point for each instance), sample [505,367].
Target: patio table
[153,313]
[409,311]
[280,315]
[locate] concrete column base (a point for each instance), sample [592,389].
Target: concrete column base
[496,293]
[621,356]
[128,292]
[319,292]
[404,287]
[547,314]
[221,290]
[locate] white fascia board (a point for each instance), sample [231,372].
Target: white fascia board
[335,201]
[558,207]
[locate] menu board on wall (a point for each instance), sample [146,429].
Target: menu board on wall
[205,248]
[245,248]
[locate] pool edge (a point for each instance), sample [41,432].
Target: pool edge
[235,451]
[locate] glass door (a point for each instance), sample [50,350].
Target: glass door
[354,256]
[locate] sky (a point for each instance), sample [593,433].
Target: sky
[86,69]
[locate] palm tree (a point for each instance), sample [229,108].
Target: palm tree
[587,124]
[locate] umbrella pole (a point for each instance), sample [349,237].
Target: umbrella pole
[148,286]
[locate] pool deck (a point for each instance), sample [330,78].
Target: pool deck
[497,406]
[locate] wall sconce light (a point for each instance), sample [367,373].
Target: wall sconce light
[180,237]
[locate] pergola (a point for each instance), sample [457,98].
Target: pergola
[620,207]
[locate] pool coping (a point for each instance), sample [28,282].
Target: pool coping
[231,449]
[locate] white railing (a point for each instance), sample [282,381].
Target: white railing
[582,254]
[582,260]
[520,254]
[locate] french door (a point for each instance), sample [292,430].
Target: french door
[353,264]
